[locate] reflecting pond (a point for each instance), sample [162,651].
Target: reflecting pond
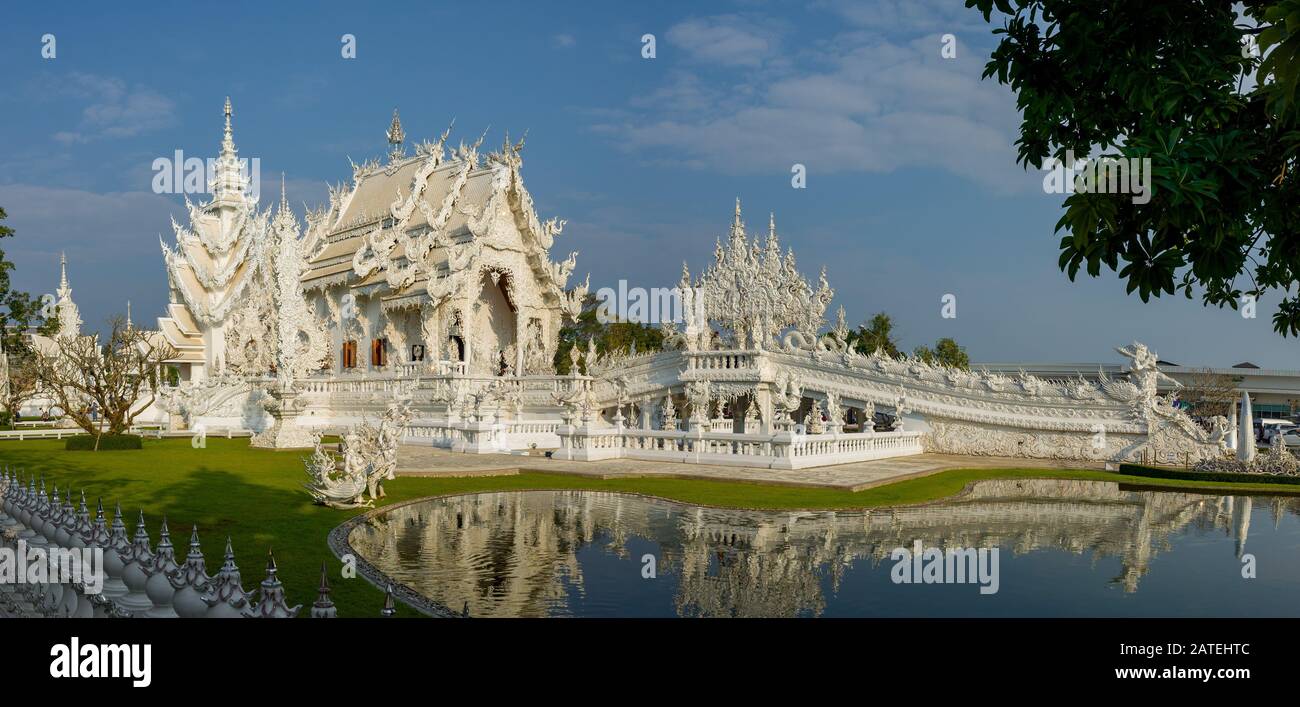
[1064,548]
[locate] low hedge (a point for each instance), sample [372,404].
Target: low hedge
[107,443]
[1159,472]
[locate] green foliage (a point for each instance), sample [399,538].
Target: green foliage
[173,376]
[946,352]
[20,311]
[107,443]
[613,336]
[878,333]
[1165,80]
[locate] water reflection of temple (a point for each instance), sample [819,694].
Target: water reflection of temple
[516,553]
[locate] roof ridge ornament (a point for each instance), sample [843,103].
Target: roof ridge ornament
[396,136]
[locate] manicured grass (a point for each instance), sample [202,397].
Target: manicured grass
[256,497]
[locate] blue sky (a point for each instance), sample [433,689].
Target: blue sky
[912,188]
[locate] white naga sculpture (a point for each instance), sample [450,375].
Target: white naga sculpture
[369,458]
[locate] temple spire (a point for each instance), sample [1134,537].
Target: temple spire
[128,315]
[68,313]
[284,201]
[228,184]
[228,140]
[396,137]
[737,226]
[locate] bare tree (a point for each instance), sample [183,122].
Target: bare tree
[104,388]
[20,384]
[1209,393]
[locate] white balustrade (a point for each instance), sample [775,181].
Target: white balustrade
[483,436]
[782,450]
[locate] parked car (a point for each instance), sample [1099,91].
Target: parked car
[1266,428]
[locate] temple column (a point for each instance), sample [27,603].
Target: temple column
[520,333]
[431,334]
[764,399]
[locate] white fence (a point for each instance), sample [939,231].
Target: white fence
[781,450]
[150,433]
[483,437]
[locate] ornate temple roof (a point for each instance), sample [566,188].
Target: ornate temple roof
[399,224]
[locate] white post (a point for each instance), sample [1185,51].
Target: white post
[1232,429]
[1246,432]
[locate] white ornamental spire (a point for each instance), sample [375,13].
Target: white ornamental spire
[69,316]
[284,202]
[229,181]
[737,226]
[228,140]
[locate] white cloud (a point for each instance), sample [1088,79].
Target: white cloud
[564,40]
[111,240]
[728,40]
[869,105]
[115,109]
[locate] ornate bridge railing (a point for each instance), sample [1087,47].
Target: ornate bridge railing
[781,450]
[483,437]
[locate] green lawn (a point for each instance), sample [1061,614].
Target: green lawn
[256,497]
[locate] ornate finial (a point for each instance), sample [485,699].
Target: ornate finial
[63,268]
[771,224]
[390,606]
[191,581]
[228,138]
[737,226]
[396,137]
[271,604]
[324,606]
[128,315]
[229,557]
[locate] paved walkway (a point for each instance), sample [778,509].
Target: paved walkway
[429,461]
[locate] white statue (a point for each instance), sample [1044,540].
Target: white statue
[369,458]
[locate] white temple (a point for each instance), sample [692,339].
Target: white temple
[428,277]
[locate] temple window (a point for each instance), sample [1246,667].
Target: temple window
[349,354]
[378,353]
[417,352]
